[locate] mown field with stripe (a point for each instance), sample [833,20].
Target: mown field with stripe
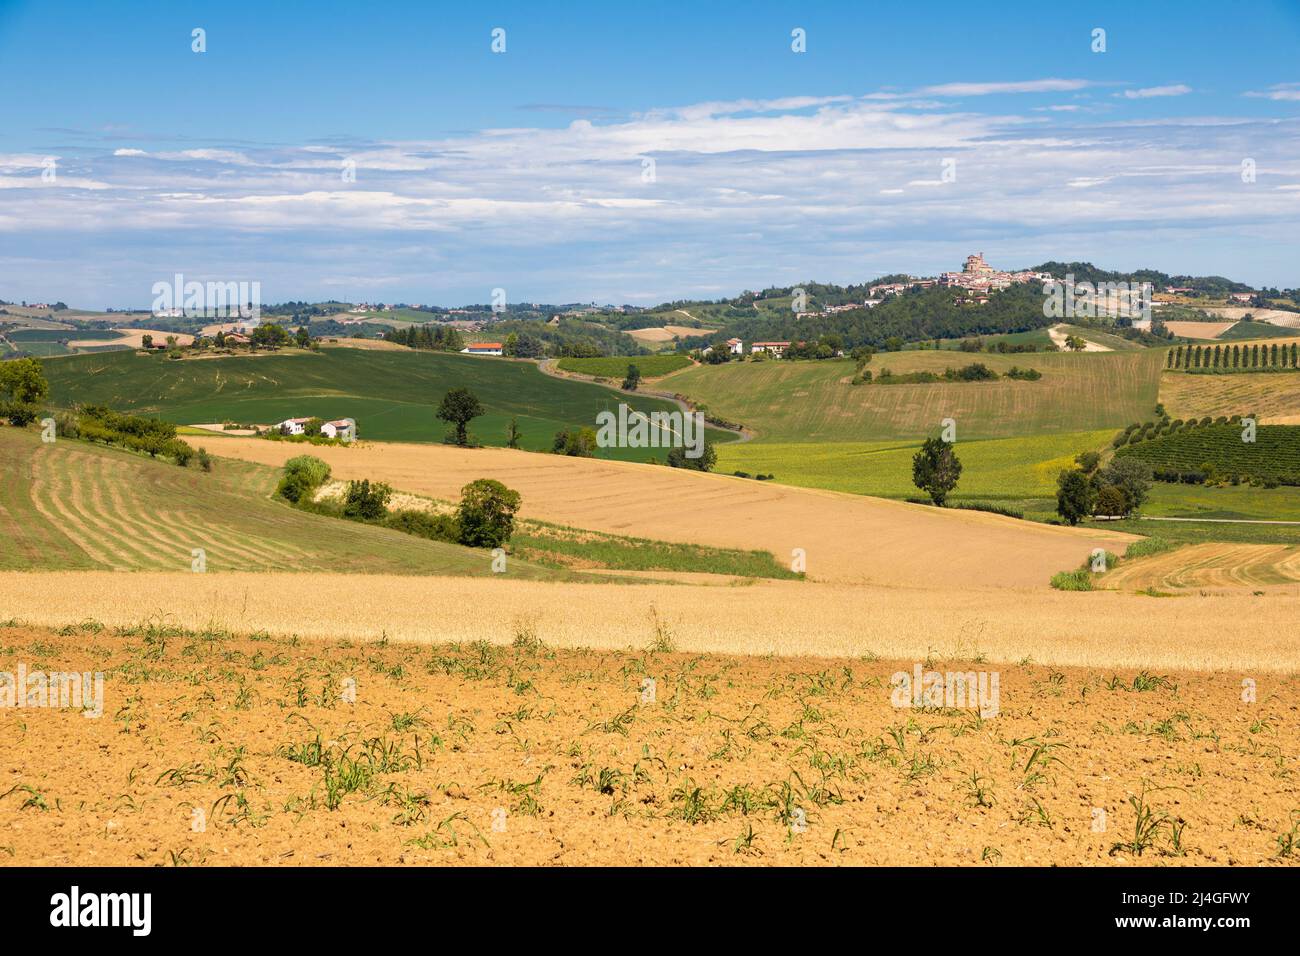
[71,505]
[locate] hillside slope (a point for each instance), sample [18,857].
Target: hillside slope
[814,401]
[846,538]
[72,505]
[393,395]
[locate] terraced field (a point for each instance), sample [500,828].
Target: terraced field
[815,402]
[70,505]
[393,395]
[1275,453]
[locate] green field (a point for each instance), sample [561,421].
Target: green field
[1230,503]
[1019,473]
[1035,337]
[815,402]
[651,366]
[1256,330]
[1111,341]
[392,395]
[1275,453]
[71,505]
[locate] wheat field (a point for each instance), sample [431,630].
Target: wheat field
[846,538]
[1241,630]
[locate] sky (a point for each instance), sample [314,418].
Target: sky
[635,152]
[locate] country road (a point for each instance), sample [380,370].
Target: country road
[549,367]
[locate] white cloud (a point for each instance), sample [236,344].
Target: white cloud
[986,89]
[1282,92]
[1150,92]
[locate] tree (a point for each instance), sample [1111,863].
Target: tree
[22,389]
[677,458]
[1110,502]
[1074,495]
[633,378]
[1132,477]
[146,341]
[303,337]
[486,513]
[512,434]
[577,443]
[935,469]
[1075,344]
[459,406]
[1088,461]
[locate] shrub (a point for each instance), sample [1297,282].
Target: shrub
[1079,580]
[365,501]
[302,475]
[424,524]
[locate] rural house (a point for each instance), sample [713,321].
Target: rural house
[776,348]
[483,348]
[737,346]
[343,428]
[293,426]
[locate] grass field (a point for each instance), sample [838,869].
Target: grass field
[650,366]
[1018,472]
[1036,337]
[475,754]
[1116,343]
[815,402]
[72,505]
[392,395]
[1256,330]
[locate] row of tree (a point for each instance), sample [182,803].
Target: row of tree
[1233,356]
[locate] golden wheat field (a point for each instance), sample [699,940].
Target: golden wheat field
[1239,629]
[210,749]
[1273,396]
[846,538]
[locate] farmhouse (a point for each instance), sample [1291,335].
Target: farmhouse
[293,426]
[776,348]
[338,429]
[736,346]
[483,348]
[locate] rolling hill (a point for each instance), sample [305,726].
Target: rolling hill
[815,402]
[393,395]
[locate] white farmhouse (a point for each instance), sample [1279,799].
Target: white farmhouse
[344,428]
[293,426]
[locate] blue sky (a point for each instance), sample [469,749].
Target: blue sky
[528,170]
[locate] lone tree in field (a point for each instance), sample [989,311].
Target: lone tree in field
[22,390]
[513,434]
[935,469]
[633,378]
[1075,495]
[459,406]
[486,514]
